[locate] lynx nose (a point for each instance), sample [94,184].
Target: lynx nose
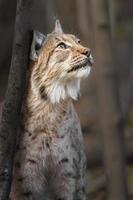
[87,52]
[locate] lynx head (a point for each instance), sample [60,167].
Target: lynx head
[59,63]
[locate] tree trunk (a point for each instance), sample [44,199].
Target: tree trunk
[94,153]
[83,20]
[126,95]
[109,107]
[13,101]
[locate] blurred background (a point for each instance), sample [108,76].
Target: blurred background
[106,105]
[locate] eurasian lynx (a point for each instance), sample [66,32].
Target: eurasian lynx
[50,160]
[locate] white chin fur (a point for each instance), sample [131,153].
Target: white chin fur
[60,91]
[83,72]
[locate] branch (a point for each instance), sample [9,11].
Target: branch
[13,101]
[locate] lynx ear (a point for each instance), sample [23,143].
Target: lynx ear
[37,42]
[58,28]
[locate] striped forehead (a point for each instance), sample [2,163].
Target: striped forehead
[67,39]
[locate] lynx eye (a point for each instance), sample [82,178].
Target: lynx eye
[62,45]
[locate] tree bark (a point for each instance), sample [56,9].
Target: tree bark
[12,106]
[109,107]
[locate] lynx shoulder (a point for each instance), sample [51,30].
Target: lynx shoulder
[50,160]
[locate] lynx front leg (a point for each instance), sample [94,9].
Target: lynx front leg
[80,194]
[73,183]
[74,187]
[81,168]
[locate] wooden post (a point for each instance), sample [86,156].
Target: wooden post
[12,105]
[109,107]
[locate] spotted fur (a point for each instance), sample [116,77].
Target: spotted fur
[50,160]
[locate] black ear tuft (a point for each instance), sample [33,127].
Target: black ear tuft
[37,42]
[58,28]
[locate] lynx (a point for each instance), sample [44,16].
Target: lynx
[50,160]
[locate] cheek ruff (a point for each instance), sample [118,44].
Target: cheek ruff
[60,91]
